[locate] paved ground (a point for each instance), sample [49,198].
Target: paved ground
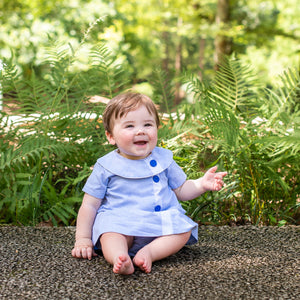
[227,263]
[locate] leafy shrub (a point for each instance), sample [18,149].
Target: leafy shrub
[251,132]
[44,155]
[254,134]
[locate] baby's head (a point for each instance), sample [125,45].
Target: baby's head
[120,105]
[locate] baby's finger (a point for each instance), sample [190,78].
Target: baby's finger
[89,253]
[219,184]
[213,169]
[84,252]
[223,174]
[78,252]
[220,175]
[74,253]
[217,188]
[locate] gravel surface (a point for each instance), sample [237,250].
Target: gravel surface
[244,262]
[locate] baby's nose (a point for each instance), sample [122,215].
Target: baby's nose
[140,131]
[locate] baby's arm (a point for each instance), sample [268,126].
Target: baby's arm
[84,246]
[211,181]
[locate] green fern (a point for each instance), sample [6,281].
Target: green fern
[260,155]
[283,117]
[106,72]
[235,86]
[224,126]
[58,134]
[32,150]
[283,104]
[58,207]
[195,86]
[45,160]
[198,89]
[163,90]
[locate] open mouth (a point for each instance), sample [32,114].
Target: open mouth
[140,143]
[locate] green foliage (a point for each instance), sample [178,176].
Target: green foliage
[163,90]
[264,32]
[235,88]
[46,153]
[254,135]
[57,134]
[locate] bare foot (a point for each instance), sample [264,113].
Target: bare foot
[143,260]
[123,265]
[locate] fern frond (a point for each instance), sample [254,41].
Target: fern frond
[32,95]
[106,72]
[291,88]
[9,73]
[32,149]
[90,28]
[234,87]
[163,90]
[283,148]
[59,57]
[198,90]
[195,86]
[224,126]
[12,83]
[282,108]
[59,208]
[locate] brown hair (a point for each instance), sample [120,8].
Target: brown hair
[120,105]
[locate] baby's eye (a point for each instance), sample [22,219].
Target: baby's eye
[148,125]
[129,126]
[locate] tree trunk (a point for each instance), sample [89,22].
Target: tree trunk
[165,62]
[178,59]
[223,44]
[201,56]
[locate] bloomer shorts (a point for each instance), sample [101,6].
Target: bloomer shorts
[138,243]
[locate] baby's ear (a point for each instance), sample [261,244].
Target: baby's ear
[110,138]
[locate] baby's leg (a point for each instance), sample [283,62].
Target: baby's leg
[160,248]
[115,250]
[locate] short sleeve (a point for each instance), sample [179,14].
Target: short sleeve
[176,176]
[96,184]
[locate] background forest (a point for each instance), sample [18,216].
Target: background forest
[225,74]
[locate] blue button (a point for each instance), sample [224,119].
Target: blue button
[157,208]
[155,178]
[153,163]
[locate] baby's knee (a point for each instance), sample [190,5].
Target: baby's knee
[115,238]
[186,235]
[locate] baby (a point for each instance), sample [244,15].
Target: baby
[130,209]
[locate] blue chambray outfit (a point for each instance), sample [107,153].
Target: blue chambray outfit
[138,198]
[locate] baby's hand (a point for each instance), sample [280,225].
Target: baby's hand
[212,181]
[84,249]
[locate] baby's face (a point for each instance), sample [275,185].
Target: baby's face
[135,134]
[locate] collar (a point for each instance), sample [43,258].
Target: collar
[159,160]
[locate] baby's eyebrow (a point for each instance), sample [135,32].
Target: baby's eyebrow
[128,122]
